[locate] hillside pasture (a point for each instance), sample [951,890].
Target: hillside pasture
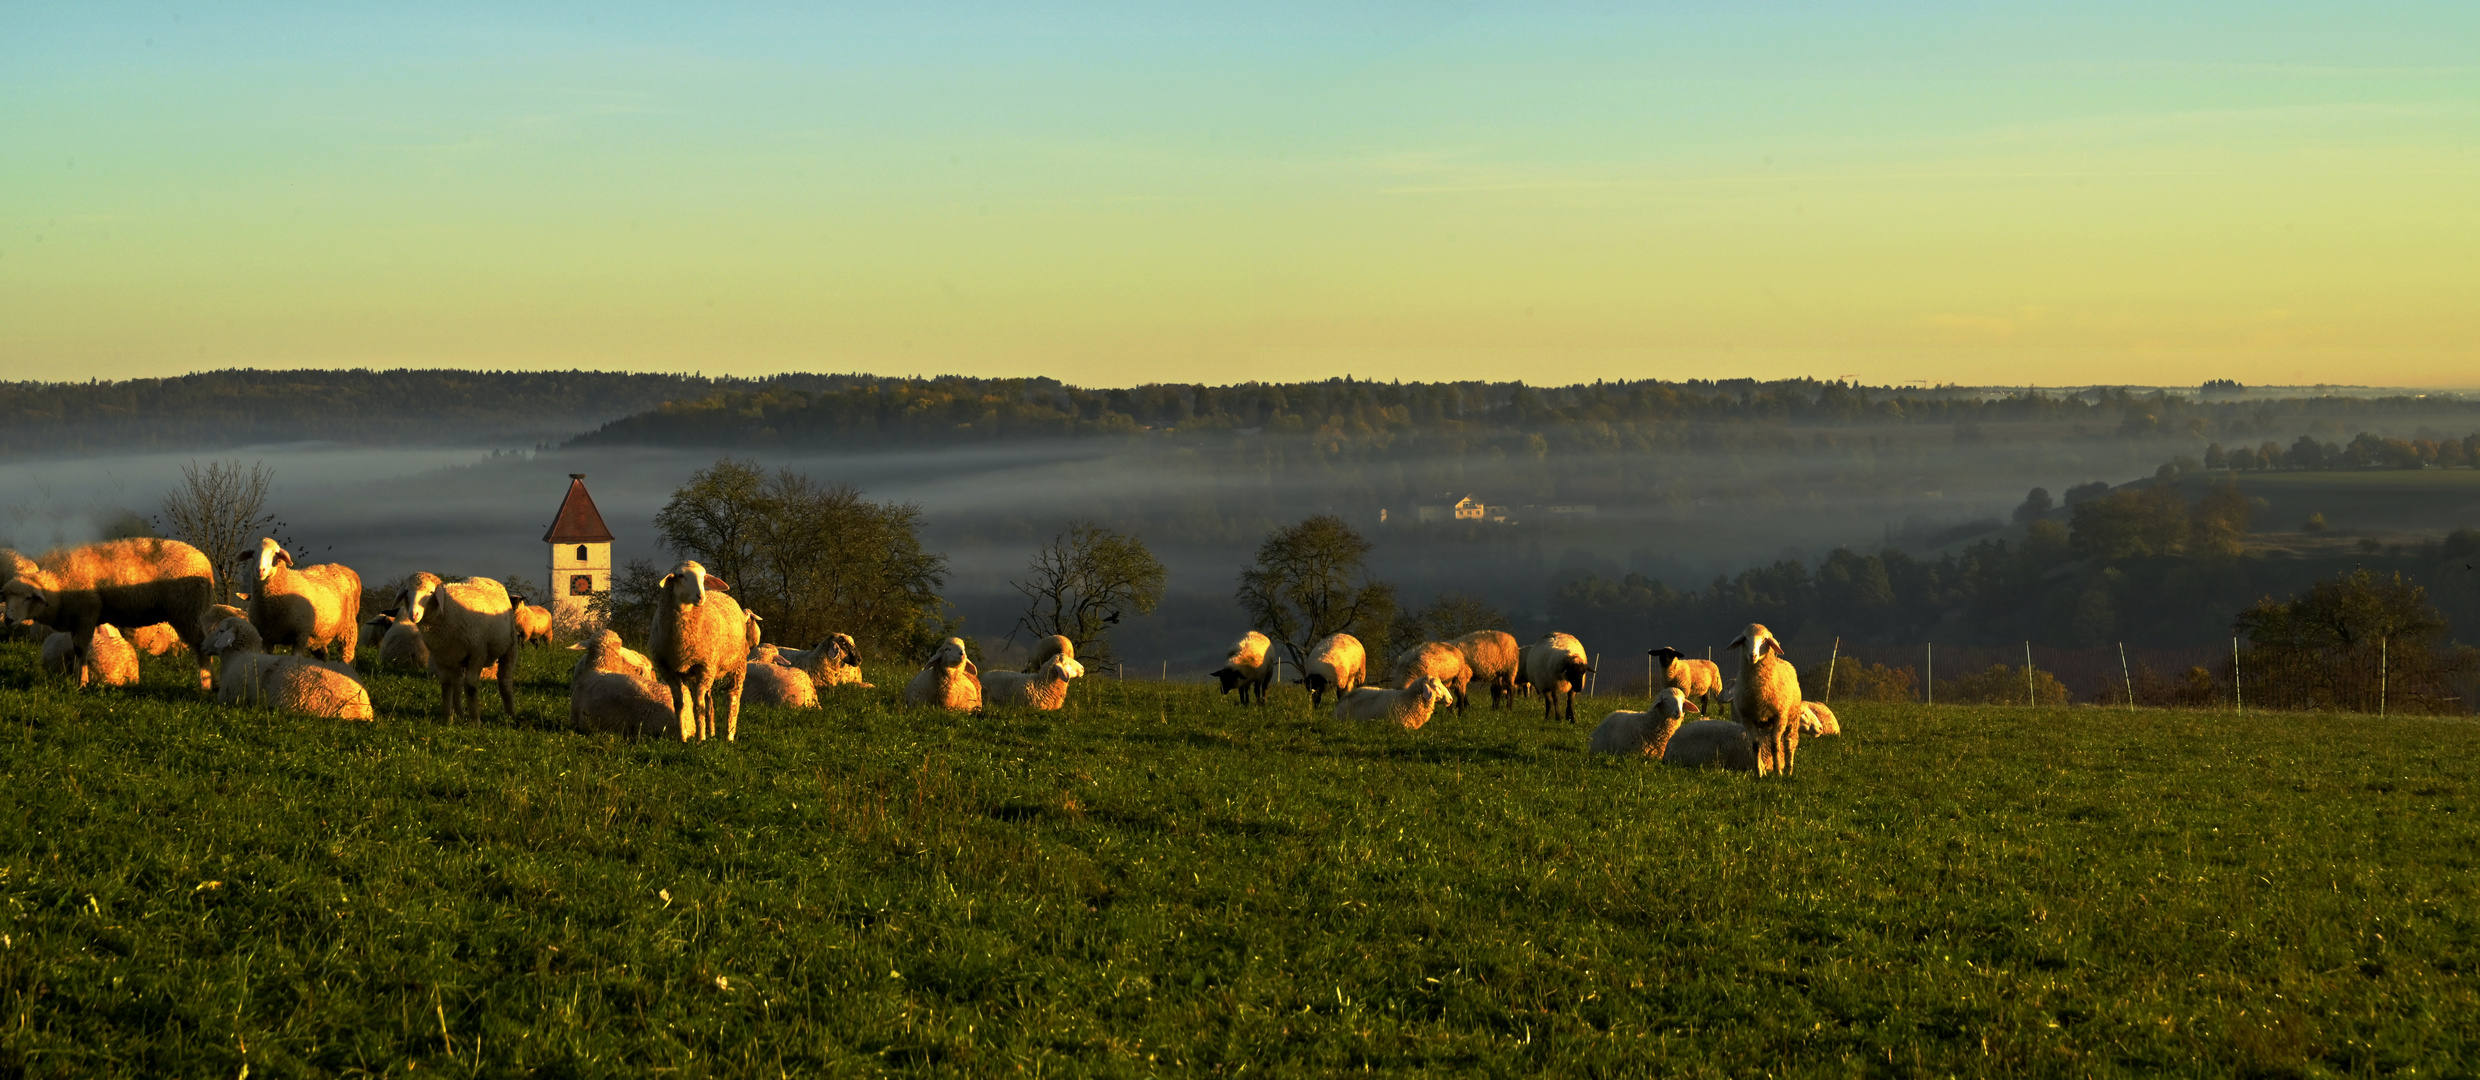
[1156,881]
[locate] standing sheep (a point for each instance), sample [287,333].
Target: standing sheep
[315,607]
[1248,667]
[121,582]
[1495,659]
[1409,706]
[949,681]
[1556,667]
[1435,660]
[110,659]
[1646,733]
[1768,702]
[1337,661]
[1700,680]
[533,622]
[1043,690]
[700,646]
[613,690]
[466,627]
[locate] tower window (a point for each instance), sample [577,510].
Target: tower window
[581,553]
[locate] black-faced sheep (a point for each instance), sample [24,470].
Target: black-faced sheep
[1495,659]
[315,608]
[1435,660]
[1556,666]
[1336,662]
[700,649]
[467,627]
[613,690]
[1646,733]
[121,582]
[1409,706]
[835,662]
[1248,667]
[1042,690]
[948,681]
[1700,680]
[1768,700]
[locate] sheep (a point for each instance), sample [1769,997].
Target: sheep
[533,621]
[1817,720]
[778,684]
[1702,743]
[1494,658]
[1248,667]
[122,582]
[216,614]
[613,690]
[1337,661]
[469,630]
[1435,660]
[1409,706]
[315,607]
[1043,690]
[1646,733]
[111,660]
[1768,701]
[1700,680]
[949,681]
[1556,667]
[1056,645]
[700,648]
[250,676]
[835,662]
[155,639]
[401,647]
[374,631]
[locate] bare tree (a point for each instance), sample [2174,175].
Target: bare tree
[1304,588]
[218,509]
[1078,585]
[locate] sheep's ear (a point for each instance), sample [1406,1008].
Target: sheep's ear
[1740,642]
[1772,644]
[283,557]
[718,584]
[1689,705]
[666,583]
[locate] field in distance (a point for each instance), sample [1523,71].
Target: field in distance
[1155,881]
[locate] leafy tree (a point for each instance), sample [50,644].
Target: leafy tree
[220,509]
[2036,503]
[2148,520]
[716,516]
[1452,615]
[2352,609]
[1310,581]
[1078,585]
[2218,523]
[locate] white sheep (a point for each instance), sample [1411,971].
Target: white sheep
[111,661]
[533,621]
[1045,690]
[1712,743]
[1817,720]
[1336,662]
[948,681]
[1768,701]
[312,608]
[1646,733]
[1248,667]
[700,649]
[613,690]
[777,684]
[249,676]
[1495,659]
[1409,706]
[466,627]
[1435,660]
[156,639]
[121,582]
[836,661]
[1556,666]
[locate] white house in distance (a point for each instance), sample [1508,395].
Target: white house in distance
[580,555]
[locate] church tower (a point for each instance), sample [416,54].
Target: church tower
[580,556]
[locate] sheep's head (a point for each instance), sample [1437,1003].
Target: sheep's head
[230,636]
[950,654]
[1757,640]
[1671,704]
[268,556]
[418,600]
[844,642]
[1816,719]
[1665,656]
[766,654]
[1065,668]
[26,600]
[688,582]
[749,628]
[1230,678]
[1433,691]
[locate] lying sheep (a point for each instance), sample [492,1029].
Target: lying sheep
[1044,690]
[155,639]
[1556,667]
[121,582]
[700,649]
[533,622]
[1248,667]
[374,631]
[1646,733]
[467,627]
[1495,659]
[1338,662]
[1435,660]
[249,676]
[1816,719]
[1049,648]
[110,659]
[613,690]
[1700,680]
[1409,706]
[401,647]
[777,684]
[1769,700]
[835,662]
[1712,744]
[948,681]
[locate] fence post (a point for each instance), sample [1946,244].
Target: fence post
[2381,643]
[2238,684]
[1837,654]
[2124,674]
[1929,685]
[2031,697]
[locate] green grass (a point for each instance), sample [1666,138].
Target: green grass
[1158,882]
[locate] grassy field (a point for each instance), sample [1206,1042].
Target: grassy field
[1156,882]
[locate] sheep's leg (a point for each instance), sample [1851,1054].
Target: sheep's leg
[684,716]
[732,710]
[507,688]
[448,681]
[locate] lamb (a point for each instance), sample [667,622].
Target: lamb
[1817,720]
[1409,706]
[1700,680]
[315,607]
[1703,743]
[613,690]
[467,627]
[155,639]
[1336,661]
[835,662]
[1646,733]
[533,622]
[110,659]
[1436,660]
[700,646]
[1556,667]
[1045,690]
[1495,659]
[1248,667]
[1768,701]
[250,676]
[949,681]
[122,582]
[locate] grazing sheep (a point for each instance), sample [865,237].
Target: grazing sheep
[949,681]
[1556,667]
[1646,733]
[1717,743]
[1817,720]
[777,684]
[249,676]
[469,630]
[835,662]
[1435,660]
[1769,700]
[1337,662]
[700,647]
[1700,680]
[1495,659]
[155,639]
[1248,667]
[121,582]
[613,690]
[1044,690]
[1409,706]
[313,608]
[401,647]
[533,622]
[1522,684]
[110,659]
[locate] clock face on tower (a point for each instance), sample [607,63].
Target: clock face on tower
[581,585]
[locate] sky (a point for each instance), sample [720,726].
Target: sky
[2152,193]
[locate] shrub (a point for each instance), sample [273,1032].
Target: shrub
[2000,684]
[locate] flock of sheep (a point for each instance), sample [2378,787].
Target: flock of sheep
[102,603]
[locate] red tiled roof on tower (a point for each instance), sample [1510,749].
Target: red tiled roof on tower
[579,522]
